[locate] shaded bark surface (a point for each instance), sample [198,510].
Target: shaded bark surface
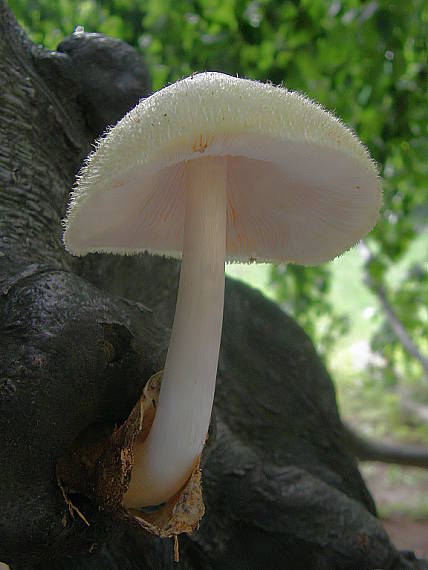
[80,337]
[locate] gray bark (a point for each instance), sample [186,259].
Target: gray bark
[80,337]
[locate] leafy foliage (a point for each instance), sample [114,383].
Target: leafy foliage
[365,60]
[302,291]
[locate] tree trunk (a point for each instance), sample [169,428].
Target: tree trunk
[80,338]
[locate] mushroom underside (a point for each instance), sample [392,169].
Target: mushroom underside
[305,204]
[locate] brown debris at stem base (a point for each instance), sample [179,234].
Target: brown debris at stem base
[100,464]
[176,549]
[185,509]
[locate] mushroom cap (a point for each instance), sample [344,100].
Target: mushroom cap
[300,186]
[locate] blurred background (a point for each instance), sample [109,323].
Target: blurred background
[367,312]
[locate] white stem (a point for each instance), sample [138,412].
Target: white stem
[164,462]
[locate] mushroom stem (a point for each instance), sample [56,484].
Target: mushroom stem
[165,460]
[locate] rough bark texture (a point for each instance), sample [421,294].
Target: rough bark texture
[80,337]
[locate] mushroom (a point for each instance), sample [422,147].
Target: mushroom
[216,168]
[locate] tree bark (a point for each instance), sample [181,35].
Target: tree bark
[79,339]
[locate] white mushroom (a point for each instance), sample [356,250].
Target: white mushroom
[211,168]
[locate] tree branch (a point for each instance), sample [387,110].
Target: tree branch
[369,450]
[395,323]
